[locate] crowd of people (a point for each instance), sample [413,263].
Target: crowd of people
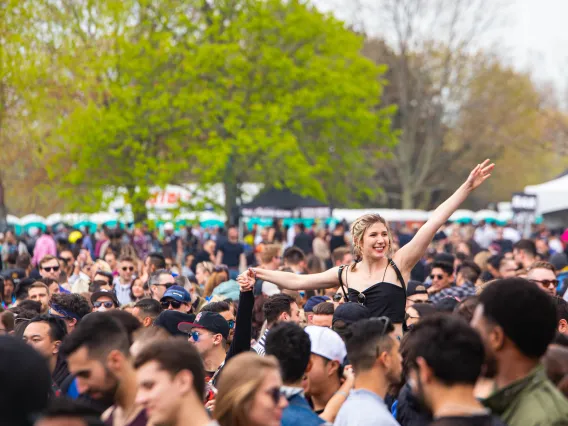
[363,325]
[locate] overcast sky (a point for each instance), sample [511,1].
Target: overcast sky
[534,36]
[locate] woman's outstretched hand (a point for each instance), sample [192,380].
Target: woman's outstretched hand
[479,174]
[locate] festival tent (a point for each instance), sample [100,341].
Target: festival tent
[283,203]
[552,196]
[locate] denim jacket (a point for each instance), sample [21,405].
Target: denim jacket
[298,412]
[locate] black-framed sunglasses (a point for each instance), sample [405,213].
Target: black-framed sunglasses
[107,305]
[437,277]
[275,394]
[50,268]
[128,268]
[174,303]
[419,301]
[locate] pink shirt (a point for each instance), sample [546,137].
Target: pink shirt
[45,245]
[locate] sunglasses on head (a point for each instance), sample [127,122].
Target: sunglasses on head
[50,268]
[436,277]
[546,283]
[107,305]
[174,303]
[128,268]
[275,394]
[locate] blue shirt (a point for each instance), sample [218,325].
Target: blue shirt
[364,408]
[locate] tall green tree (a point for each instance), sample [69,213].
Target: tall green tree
[228,91]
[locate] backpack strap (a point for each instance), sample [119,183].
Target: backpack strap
[340,277]
[398,275]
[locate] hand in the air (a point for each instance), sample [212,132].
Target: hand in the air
[246,280]
[479,174]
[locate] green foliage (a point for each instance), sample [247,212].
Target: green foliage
[209,91]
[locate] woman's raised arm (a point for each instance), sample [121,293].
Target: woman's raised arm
[410,254]
[289,280]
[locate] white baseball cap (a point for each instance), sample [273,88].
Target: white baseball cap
[326,343]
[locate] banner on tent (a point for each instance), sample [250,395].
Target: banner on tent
[524,203]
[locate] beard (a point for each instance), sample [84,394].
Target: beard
[107,396]
[489,368]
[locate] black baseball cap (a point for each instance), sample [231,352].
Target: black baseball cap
[350,313]
[98,294]
[169,321]
[415,287]
[210,321]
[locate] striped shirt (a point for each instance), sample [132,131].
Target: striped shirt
[259,347]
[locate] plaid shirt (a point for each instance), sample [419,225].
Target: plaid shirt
[460,293]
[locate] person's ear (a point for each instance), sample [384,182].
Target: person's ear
[147,322]
[217,339]
[184,381]
[283,317]
[310,366]
[115,360]
[496,339]
[424,371]
[332,368]
[56,345]
[563,326]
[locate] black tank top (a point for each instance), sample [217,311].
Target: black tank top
[383,298]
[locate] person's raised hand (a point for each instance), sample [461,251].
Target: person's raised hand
[479,174]
[246,280]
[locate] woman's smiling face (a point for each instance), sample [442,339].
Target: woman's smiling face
[376,243]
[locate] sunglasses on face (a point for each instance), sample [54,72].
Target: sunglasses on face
[196,336]
[420,301]
[107,305]
[128,268]
[174,303]
[546,283]
[275,394]
[50,268]
[436,277]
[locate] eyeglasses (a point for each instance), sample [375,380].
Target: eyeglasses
[50,268]
[436,277]
[174,303]
[337,297]
[107,305]
[275,394]
[546,283]
[128,268]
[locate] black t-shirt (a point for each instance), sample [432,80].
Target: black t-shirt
[481,420]
[336,241]
[231,253]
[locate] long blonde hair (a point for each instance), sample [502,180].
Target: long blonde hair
[241,378]
[358,229]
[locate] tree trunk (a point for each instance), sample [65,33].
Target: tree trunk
[3,209]
[407,196]
[138,205]
[231,192]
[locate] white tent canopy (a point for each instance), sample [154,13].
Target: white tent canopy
[552,196]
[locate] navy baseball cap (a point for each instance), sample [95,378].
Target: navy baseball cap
[211,321]
[350,313]
[313,301]
[178,293]
[415,287]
